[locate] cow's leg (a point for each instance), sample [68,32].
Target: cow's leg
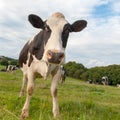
[30,88]
[23,85]
[55,80]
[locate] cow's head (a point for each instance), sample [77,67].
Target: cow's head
[57,30]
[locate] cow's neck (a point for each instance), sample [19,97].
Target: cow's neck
[43,68]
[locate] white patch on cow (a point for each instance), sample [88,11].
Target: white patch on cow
[37,66]
[56,23]
[40,66]
[25,66]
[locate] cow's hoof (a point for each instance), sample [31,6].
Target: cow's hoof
[57,117]
[56,114]
[24,113]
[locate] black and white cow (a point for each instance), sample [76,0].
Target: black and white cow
[105,80]
[63,74]
[44,54]
[11,68]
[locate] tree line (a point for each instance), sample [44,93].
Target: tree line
[5,61]
[79,71]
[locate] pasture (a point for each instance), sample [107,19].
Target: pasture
[77,100]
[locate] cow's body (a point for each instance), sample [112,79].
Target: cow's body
[44,54]
[11,68]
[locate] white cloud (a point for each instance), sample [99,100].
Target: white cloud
[95,62]
[116,6]
[100,39]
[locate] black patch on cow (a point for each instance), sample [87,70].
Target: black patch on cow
[30,60]
[36,47]
[65,34]
[23,55]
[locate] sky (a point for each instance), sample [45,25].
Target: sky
[97,45]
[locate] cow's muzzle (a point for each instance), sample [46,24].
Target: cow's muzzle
[55,57]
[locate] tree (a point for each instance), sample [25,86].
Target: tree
[13,62]
[74,69]
[84,76]
[4,62]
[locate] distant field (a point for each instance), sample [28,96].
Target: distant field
[77,100]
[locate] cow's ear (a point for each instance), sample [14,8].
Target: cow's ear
[78,25]
[36,21]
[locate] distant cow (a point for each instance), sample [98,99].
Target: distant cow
[105,80]
[44,54]
[63,74]
[90,81]
[118,85]
[11,68]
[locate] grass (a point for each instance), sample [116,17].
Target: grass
[77,100]
[2,67]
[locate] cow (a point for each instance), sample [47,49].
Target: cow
[63,74]
[11,68]
[44,53]
[90,81]
[118,85]
[105,80]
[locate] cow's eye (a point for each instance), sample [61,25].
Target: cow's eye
[67,29]
[47,28]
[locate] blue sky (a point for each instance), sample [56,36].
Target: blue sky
[97,45]
[103,11]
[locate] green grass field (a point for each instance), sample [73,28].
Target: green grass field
[77,100]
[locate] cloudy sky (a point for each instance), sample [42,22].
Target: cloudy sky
[97,45]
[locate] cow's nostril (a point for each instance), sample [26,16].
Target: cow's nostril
[61,56]
[49,54]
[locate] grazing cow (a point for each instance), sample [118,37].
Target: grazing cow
[44,54]
[118,85]
[105,80]
[63,74]
[11,68]
[90,81]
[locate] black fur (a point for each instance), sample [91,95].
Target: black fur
[36,47]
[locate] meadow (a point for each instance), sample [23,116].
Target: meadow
[78,100]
